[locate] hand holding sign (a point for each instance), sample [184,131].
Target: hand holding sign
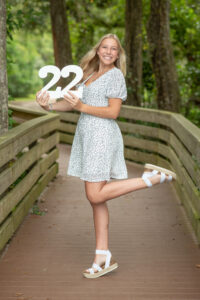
[65,72]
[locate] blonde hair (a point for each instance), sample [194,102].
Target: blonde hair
[90,61]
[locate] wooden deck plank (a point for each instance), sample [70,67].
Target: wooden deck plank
[150,237]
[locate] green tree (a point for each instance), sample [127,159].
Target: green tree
[133,44]
[61,37]
[3,70]
[162,57]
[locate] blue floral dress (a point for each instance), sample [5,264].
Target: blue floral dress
[97,152]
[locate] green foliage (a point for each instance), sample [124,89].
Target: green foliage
[30,47]
[36,15]
[90,20]
[36,210]
[29,53]
[32,16]
[14,21]
[193,114]
[185,30]
[11,121]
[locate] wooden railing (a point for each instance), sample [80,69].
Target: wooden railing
[28,156]
[158,137]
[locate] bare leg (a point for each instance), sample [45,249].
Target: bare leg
[101,225]
[99,192]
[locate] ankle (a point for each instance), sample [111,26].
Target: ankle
[150,177]
[104,248]
[99,258]
[155,179]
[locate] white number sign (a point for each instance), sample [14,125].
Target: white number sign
[65,72]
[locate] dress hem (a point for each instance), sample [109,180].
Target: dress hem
[100,179]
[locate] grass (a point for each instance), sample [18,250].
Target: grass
[28,98]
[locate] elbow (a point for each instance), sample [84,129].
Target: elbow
[115,116]
[115,113]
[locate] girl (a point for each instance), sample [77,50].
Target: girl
[97,152]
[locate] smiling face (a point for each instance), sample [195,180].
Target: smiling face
[108,51]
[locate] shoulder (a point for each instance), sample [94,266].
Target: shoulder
[116,85]
[117,74]
[116,77]
[118,71]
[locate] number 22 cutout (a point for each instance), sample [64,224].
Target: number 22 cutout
[58,93]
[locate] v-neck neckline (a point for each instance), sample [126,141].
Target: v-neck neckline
[87,86]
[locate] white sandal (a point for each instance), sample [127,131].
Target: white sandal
[106,267]
[156,169]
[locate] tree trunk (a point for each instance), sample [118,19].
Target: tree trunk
[3,70]
[133,42]
[61,38]
[162,57]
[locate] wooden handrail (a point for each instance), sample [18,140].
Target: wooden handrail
[155,136]
[28,155]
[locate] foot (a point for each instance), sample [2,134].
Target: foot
[98,259]
[103,264]
[155,176]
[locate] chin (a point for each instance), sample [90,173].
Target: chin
[108,63]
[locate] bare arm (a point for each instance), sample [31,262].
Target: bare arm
[111,111]
[60,105]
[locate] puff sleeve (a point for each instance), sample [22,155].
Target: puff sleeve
[116,87]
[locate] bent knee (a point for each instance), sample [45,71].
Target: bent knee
[93,193]
[94,198]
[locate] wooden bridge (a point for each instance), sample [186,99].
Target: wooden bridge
[154,233]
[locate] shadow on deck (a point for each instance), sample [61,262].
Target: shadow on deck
[150,238]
